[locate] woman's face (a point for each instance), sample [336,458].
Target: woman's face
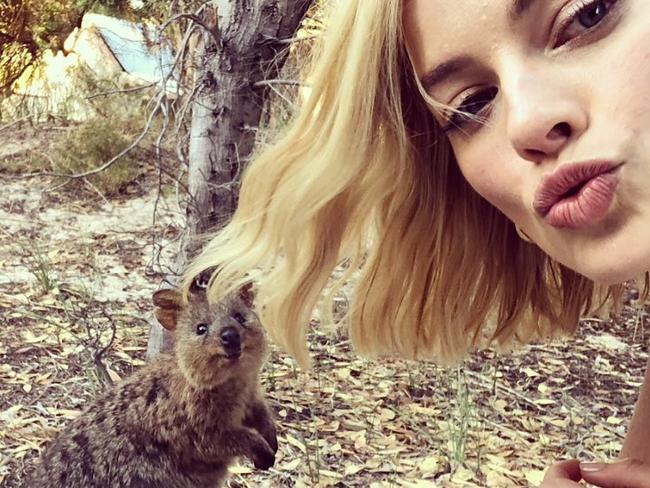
[562,88]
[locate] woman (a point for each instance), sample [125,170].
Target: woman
[490,153]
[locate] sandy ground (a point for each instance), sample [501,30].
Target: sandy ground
[74,266]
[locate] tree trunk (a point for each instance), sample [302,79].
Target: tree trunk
[245,48]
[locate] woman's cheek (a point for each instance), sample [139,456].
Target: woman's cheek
[493,179]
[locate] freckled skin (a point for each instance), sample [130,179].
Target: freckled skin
[585,98]
[179,421]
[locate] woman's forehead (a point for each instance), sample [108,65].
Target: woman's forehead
[471,11]
[437,28]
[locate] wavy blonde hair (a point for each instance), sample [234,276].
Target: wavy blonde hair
[364,176]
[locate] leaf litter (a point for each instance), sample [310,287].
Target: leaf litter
[77,277]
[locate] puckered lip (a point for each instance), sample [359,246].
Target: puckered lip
[567,180]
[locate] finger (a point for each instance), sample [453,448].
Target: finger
[627,473]
[564,470]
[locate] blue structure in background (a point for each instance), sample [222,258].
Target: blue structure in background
[137,48]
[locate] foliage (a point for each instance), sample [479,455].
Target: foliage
[93,143]
[29,27]
[113,118]
[41,268]
[74,148]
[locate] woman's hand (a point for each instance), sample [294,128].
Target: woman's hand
[626,473]
[565,474]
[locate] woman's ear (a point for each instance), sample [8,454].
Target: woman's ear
[168,305]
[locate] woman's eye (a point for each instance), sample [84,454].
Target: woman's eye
[201,329]
[584,16]
[472,109]
[239,318]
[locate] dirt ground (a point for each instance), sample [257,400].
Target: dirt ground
[78,269]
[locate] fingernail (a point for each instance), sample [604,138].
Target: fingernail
[593,467]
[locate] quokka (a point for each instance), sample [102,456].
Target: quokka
[183,418]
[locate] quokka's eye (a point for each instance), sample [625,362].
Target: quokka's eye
[201,329]
[239,318]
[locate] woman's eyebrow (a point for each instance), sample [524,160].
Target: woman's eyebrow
[449,68]
[444,71]
[519,8]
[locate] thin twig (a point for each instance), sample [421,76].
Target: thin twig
[292,40]
[99,353]
[104,166]
[478,379]
[279,82]
[15,122]
[197,20]
[96,190]
[282,96]
[124,90]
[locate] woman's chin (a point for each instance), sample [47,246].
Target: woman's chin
[610,277]
[617,271]
[616,254]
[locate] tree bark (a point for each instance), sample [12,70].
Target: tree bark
[243,49]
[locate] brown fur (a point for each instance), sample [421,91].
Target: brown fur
[181,420]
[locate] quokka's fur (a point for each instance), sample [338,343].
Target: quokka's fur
[182,419]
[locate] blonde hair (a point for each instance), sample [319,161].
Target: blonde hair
[364,176]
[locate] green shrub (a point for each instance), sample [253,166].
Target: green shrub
[94,143]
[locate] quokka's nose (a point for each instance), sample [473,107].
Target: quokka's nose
[230,338]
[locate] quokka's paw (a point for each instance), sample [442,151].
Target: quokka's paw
[263,456]
[271,437]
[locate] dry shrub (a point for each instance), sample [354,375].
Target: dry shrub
[80,126]
[95,142]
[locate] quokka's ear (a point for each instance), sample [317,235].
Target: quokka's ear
[199,284]
[247,294]
[169,303]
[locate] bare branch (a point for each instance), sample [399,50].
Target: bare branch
[104,166]
[15,122]
[279,82]
[197,20]
[293,40]
[124,90]
[96,190]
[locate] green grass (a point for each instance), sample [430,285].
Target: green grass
[41,268]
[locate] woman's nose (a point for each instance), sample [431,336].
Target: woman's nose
[543,118]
